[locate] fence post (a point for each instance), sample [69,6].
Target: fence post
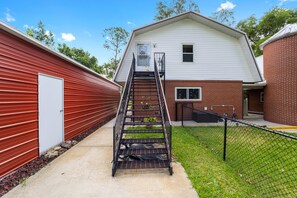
[225,138]
[182,114]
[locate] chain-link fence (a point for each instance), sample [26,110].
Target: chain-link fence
[264,158]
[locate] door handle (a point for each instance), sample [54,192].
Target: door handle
[61,110]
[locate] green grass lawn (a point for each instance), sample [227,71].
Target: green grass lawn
[264,160]
[258,164]
[210,176]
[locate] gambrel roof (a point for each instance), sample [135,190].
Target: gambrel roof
[207,22]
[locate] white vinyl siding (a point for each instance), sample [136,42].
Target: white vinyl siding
[217,55]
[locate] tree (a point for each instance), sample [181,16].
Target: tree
[165,9]
[108,69]
[225,16]
[275,19]
[115,39]
[41,34]
[250,27]
[260,30]
[81,56]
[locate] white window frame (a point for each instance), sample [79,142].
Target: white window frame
[182,51]
[187,92]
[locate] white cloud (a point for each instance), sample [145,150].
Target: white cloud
[281,2]
[131,23]
[8,16]
[226,6]
[68,37]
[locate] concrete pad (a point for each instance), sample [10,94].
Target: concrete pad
[85,171]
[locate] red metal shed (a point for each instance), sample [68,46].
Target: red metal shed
[42,91]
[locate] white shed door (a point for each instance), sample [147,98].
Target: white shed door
[51,111]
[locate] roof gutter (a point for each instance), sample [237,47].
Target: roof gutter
[255,85]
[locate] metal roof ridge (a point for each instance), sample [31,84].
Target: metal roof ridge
[287,30]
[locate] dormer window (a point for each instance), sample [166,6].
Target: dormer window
[188,53]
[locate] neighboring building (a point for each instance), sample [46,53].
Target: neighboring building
[280,72]
[45,98]
[254,95]
[207,64]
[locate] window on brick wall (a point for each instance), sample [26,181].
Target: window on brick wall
[188,93]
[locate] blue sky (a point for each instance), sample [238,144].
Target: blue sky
[81,23]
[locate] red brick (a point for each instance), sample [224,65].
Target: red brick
[214,92]
[280,72]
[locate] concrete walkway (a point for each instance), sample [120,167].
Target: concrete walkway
[85,171]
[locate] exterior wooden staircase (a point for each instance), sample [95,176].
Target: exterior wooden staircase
[142,131]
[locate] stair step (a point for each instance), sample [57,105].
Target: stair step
[154,151]
[144,81]
[150,78]
[141,110]
[143,141]
[144,88]
[144,84]
[144,131]
[145,104]
[144,75]
[143,123]
[147,84]
[150,83]
[152,86]
[143,164]
[152,95]
[143,116]
[139,90]
[144,99]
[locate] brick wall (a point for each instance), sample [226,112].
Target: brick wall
[213,93]
[255,105]
[280,66]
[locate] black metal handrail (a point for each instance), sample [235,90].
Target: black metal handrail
[166,121]
[122,108]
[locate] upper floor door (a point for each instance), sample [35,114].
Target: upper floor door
[143,59]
